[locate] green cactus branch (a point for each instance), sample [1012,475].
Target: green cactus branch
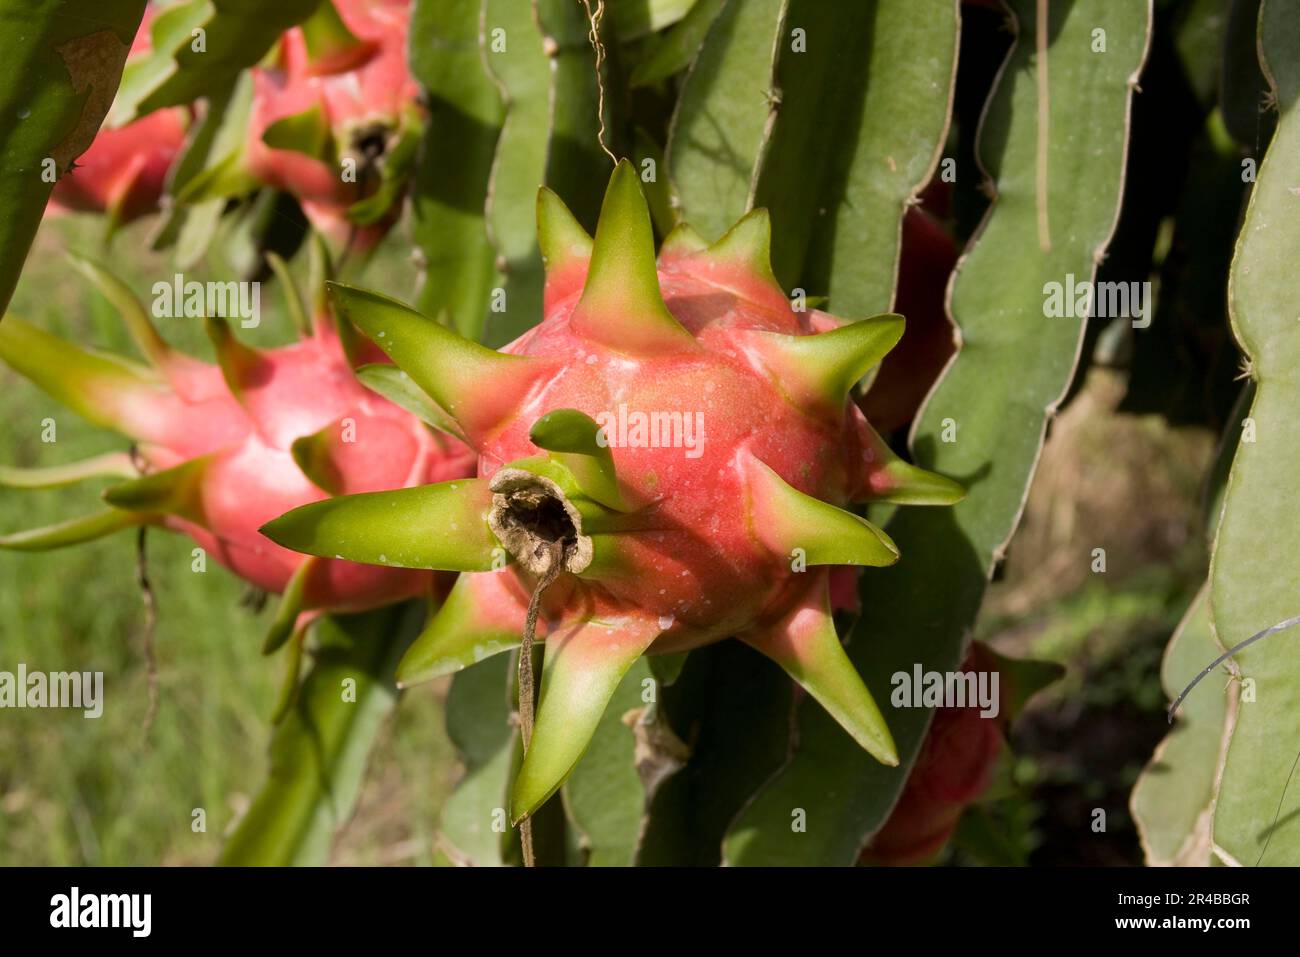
[457,260]
[512,52]
[877,78]
[1173,800]
[984,423]
[320,749]
[1254,566]
[725,114]
[63,61]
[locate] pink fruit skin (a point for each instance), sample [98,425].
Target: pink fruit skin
[252,476]
[697,565]
[125,169]
[952,772]
[843,581]
[907,374]
[370,90]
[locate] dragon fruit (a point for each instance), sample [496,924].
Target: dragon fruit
[952,772]
[675,436]
[124,171]
[907,374]
[221,449]
[334,115]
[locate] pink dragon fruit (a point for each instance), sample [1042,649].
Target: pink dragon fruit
[953,771]
[907,374]
[124,171]
[221,449]
[329,116]
[675,436]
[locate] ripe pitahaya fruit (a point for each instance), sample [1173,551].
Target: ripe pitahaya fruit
[907,374]
[334,116]
[952,772]
[667,540]
[221,449]
[124,171]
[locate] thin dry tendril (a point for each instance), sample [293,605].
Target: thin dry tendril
[593,35]
[526,682]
